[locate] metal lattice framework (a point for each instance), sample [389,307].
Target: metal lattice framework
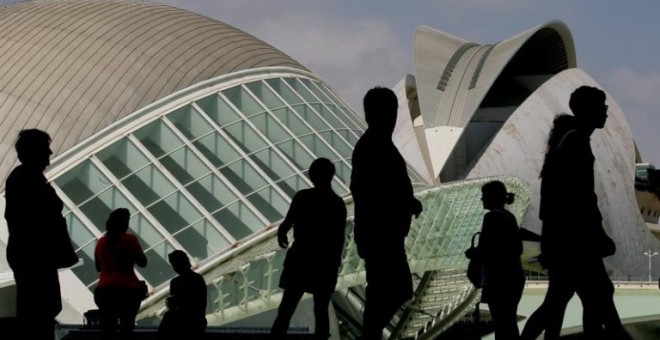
[246,284]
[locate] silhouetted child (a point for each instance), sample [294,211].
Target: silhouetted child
[118,293]
[318,219]
[186,315]
[500,247]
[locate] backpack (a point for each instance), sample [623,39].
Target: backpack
[475,266]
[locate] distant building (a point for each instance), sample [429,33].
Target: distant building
[647,185]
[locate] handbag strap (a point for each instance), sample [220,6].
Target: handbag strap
[474,236]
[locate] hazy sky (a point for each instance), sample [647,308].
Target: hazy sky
[356,44]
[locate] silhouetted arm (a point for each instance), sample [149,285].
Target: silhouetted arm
[287,224]
[140,258]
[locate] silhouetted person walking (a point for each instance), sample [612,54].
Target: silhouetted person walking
[38,242]
[573,241]
[318,219]
[186,314]
[117,293]
[500,247]
[384,206]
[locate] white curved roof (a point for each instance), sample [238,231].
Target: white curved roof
[73,67]
[456,74]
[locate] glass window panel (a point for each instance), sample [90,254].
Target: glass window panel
[272,164]
[239,220]
[145,231]
[122,158]
[269,203]
[311,117]
[293,183]
[312,86]
[98,209]
[243,176]
[284,91]
[184,165]
[82,182]
[261,91]
[318,147]
[348,117]
[79,234]
[201,240]
[289,118]
[212,193]
[350,136]
[298,86]
[356,118]
[190,122]
[296,153]
[175,212]
[158,138]
[343,171]
[148,185]
[158,269]
[217,149]
[218,110]
[243,101]
[87,271]
[329,116]
[337,143]
[338,189]
[243,135]
[269,127]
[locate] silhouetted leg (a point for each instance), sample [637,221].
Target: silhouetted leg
[290,299]
[105,300]
[560,291]
[37,302]
[503,305]
[130,301]
[603,317]
[535,324]
[321,317]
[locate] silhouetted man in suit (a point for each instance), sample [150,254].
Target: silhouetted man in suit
[38,242]
[573,241]
[384,206]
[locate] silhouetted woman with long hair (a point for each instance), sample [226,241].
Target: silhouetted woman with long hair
[118,294]
[500,247]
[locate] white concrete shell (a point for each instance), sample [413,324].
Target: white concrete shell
[73,67]
[454,76]
[518,150]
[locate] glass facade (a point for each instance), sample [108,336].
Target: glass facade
[212,172]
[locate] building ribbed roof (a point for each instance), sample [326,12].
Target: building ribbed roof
[73,67]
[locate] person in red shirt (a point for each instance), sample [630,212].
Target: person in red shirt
[118,294]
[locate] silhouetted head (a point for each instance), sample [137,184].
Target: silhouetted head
[179,261]
[380,108]
[33,148]
[494,195]
[321,172]
[588,106]
[117,222]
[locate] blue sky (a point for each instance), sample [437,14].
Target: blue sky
[354,45]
